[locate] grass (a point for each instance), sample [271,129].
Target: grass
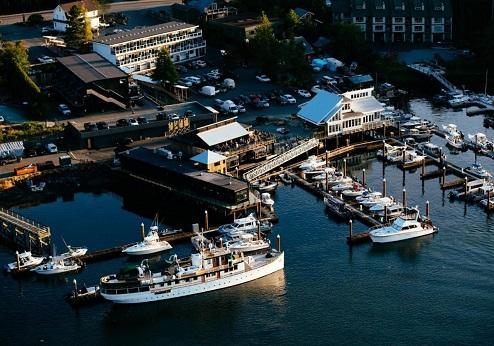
[28,130]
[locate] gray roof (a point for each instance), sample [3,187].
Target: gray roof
[223,134]
[366,105]
[321,108]
[358,79]
[148,31]
[91,67]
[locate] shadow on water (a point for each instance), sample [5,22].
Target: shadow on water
[407,250]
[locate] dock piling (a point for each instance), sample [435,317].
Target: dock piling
[142,231]
[363,177]
[344,167]
[488,199]
[427,209]
[350,229]
[384,187]
[327,155]
[404,198]
[423,168]
[18,260]
[279,242]
[466,188]
[206,223]
[444,174]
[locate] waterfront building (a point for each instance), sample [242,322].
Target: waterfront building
[136,51]
[351,112]
[60,18]
[412,21]
[238,29]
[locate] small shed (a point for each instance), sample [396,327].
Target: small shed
[211,161]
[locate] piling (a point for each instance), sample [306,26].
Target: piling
[404,198]
[350,229]
[444,174]
[488,199]
[279,242]
[403,158]
[327,155]
[423,168]
[466,188]
[142,231]
[327,182]
[363,177]
[18,260]
[440,156]
[427,209]
[258,230]
[344,167]
[221,242]
[206,223]
[384,187]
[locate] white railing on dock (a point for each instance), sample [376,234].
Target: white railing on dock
[435,73]
[22,222]
[281,159]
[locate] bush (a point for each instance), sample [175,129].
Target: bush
[35,19]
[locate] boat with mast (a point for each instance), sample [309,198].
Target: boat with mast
[150,244]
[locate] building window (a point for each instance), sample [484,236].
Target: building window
[399,20]
[418,20]
[378,28]
[418,28]
[359,20]
[419,7]
[398,28]
[380,5]
[379,19]
[360,6]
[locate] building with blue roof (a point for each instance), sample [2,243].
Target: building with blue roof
[351,112]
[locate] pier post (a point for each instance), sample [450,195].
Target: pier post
[363,177]
[488,199]
[327,182]
[466,188]
[206,221]
[384,187]
[423,167]
[344,167]
[142,231]
[404,198]
[403,158]
[384,149]
[350,229]
[221,243]
[75,287]
[18,260]
[327,155]
[258,230]
[385,214]
[427,209]
[444,175]
[279,243]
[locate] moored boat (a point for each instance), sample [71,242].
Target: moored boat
[24,261]
[56,266]
[479,171]
[149,245]
[246,224]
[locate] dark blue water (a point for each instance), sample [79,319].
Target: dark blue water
[432,290]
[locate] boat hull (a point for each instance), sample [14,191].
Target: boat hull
[142,252]
[170,293]
[391,238]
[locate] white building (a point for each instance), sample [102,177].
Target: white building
[136,51]
[351,112]
[60,19]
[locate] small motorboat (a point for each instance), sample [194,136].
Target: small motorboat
[342,187]
[56,266]
[286,179]
[373,201]
[368,194]
[393,210]
[246,224]
[149,245]
[24,261]
[477,170]
[480,143]
[248,243]
[84,295]
[486,202]
[355,191]
[266,199]
[73,251]
[379,207]
[312,164]
[266,186]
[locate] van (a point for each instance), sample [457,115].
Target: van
[51,148]
[229,83]
[230,107]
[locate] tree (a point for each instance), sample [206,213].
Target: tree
[78,27]
[265,47]
[165,69]
[292,23]
[35,19]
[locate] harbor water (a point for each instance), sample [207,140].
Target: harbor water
[432,290]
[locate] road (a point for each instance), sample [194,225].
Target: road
[114,7]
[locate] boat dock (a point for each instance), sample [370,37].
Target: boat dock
[23,233]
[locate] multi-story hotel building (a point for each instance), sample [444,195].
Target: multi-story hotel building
[398,20]
[135,51]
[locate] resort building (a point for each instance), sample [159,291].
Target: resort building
[60,18]
[351,112]
[412,21]
[136,51]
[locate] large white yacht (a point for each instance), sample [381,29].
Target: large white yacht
[406,226]
[208,270]
[24,261]
[149,245]
[245,224]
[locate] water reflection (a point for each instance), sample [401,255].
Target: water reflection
[407,250]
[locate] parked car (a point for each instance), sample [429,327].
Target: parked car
[200,63]
[185,82]
[133,122]
[241,108]
[263,78]
[90,127]
[51,148]
[208,90]
[315,89]
[289,98]
[328,80]
[122,122]
[102,125]
[45,59]
[173,116]
[193,79]
[62,108]
[182,68]
[304,93]
[142,120]
[218,102]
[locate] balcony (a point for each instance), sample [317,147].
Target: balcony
[378,28]
[398,20]
[379,20]
[438,29]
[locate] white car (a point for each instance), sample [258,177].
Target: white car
[200,63]
[185,82]
[315,89]
[193,79]
[64,109]
[289,98]
[263,78]
[2,119]
[241,109]
[51,148]
[45,29]
[304,93]
[133,122]
[45,59]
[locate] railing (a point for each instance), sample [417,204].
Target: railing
[18,220]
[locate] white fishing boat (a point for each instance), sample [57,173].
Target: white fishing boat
[208,270]
[367,195]
[455,141]
[480,143]
[24,261]
[451,129]
[266,186]
[149,245]
[355,191]
[337,179]
[391,153]
[246,224]
[286,179]
[367,203]
[248,243]
[312,164]
[479,171]
[412,158]
[406,226]
[342,187]
[266,199]
[379,207]
[392,211]
[73,252]
[56,266]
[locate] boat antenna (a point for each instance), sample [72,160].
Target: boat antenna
[64,242]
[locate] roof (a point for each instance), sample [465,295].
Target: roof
[302,12]
[91,67]
[352,8]
[366,105]
[223,134]
[200,5]
[88,4]
[208,157]
[358,79]
[148,31]
[321,108]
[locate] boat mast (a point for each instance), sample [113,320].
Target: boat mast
[485,87]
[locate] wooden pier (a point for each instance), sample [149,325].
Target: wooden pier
[22,233]
[452,183]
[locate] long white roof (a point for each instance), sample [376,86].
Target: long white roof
[321,108]
[366,105]
[223,134]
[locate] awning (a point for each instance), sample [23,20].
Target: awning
[223,134]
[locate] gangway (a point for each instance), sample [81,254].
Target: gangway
[435,73]
[281,159]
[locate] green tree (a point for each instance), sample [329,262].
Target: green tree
[35,19]
[294,64]
[292,23]
[165,69]
[78,27]
[265,47]
[12,54]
